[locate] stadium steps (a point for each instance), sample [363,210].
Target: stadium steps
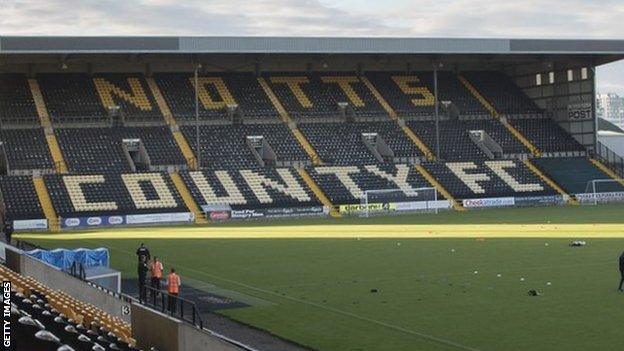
[393,115]
[309,149]
[44,118]
[574,173]
[285,117]
[160,101]
[188,198]
[419,143]
[550,182]
[319,193]
[179,138]
[46,204]
[55,151]
[275,101]
[456,204]
[386,106]
[532,148]
[42,110]
[601,166]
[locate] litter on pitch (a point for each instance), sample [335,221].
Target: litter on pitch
[522,279]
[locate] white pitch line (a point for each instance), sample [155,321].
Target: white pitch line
[331,309]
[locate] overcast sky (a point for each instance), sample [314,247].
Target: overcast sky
[414,18]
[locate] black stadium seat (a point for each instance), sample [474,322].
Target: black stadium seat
[20,197]
[113,194]
[16,102]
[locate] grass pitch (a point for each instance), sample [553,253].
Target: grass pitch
[453,281]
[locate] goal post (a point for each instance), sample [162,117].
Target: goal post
[385,201]
[599,191]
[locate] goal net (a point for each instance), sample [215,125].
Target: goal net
[389,201]
[600,191]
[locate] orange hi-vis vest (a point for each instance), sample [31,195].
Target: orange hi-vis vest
[174,283]
[156,269]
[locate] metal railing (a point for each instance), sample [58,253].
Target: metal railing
[172,305]
[610,159]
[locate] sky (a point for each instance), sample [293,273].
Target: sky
[406,18]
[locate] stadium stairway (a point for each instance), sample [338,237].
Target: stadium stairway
[454,203]
[285,117]
[179,138]
[601,166]
[319,193]
[550,182]
[534,150]
[574,173]
[44,117]
[46,204]
[386,106]
[419,143]
[187,198]
[393,115]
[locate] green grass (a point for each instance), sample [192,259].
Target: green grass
[429,296]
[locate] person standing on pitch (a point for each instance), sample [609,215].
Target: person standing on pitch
[621,271]
[143,252]
[142,277]
[156,269]
[173,288]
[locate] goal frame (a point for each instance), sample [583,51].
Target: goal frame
[590,188]
[364,200]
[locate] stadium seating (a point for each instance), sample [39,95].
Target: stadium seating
[234,171]
[75,97]
[500,91]
[573,174]
[100,149]
[341,143]
[20,198]
[224,146]
[546,135]
[346,184]
[216,91]
[113,194]
[412,95]
[26,149]
[70,97]
[455,142]
[130,92]
[317,95]
[499,178]
[16,102]
[44,319]
[249,188]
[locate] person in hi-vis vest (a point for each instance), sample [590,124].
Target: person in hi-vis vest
[173,288]
[156,270]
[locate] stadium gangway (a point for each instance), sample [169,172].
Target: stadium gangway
[158,300]
[611,159]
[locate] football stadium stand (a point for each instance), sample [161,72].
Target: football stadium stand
[17,105]
[250,161]
[76,143]
[135,131]
[46,319]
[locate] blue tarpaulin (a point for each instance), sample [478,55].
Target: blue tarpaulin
[64,258]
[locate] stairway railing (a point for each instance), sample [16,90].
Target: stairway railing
[610,159]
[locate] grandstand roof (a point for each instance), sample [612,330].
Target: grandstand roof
[306,45]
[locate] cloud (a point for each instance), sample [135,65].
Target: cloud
[434,18]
